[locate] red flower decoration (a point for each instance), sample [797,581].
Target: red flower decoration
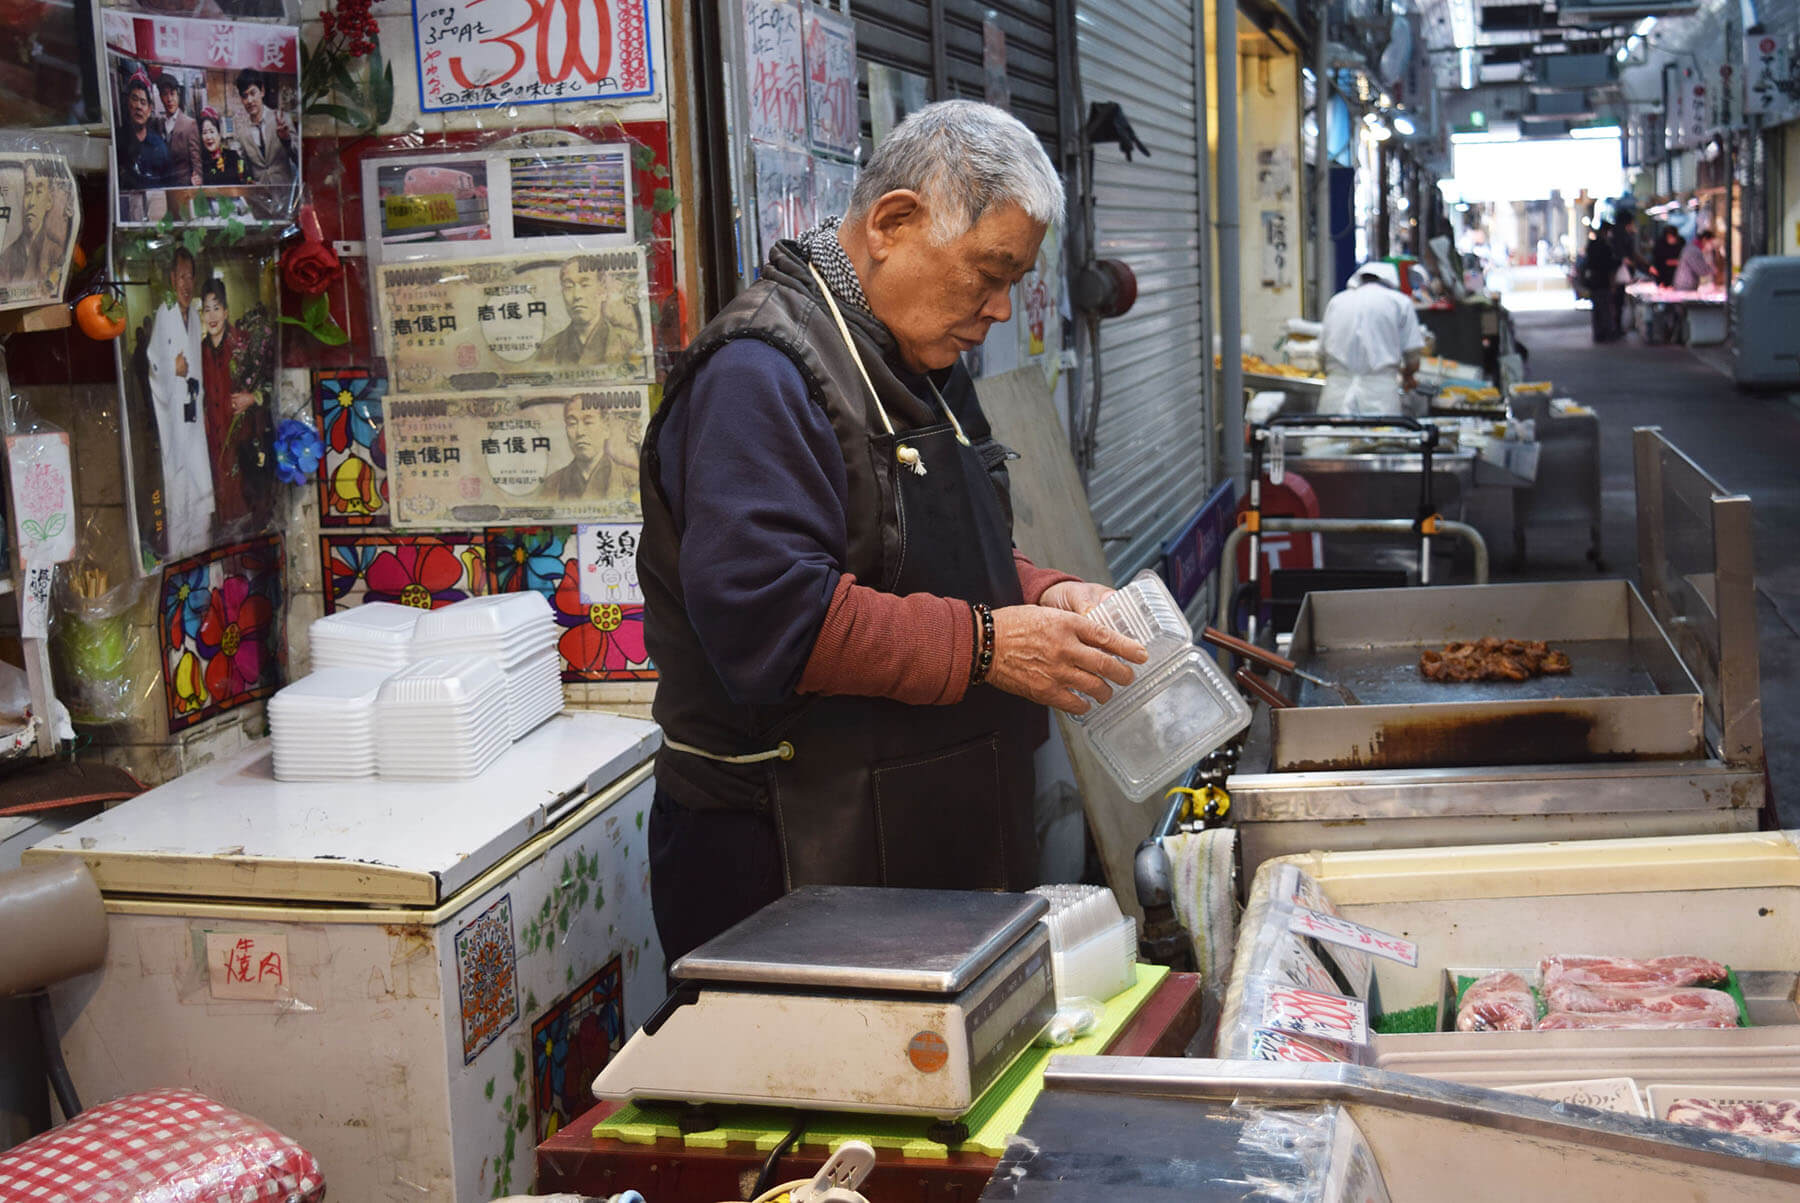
[310,266]
[604,638]
[425,575]
[231,638]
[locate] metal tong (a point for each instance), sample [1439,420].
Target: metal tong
[1274,660]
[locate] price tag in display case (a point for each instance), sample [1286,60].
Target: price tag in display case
[1312,1013]
[1266,1044]
[1337,930]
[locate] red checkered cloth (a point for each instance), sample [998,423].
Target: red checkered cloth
[160,1146]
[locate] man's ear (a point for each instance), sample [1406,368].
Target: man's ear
[892,219]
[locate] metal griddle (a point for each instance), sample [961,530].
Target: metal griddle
[1656,732]
[1629,697]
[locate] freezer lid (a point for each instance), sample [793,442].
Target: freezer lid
[230,831]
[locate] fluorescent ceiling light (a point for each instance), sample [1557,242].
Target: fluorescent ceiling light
[1405,125]
[1595,131]
[1644,27]
[1482,139]
[1467,68]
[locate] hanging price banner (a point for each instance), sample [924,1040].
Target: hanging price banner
[1311,1013]
[1337,930]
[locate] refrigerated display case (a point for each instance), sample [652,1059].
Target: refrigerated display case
[417,981]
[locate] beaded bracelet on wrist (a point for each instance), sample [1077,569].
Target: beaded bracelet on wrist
[984,654]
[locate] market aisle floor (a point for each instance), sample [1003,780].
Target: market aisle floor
[1748,443]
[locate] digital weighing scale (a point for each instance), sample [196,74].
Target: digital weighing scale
[901,1002]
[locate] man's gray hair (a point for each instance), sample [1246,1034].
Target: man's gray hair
[964,158]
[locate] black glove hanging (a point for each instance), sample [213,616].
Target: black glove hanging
[1107,123]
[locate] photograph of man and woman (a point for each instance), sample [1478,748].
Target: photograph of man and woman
[200,355]
[204,144]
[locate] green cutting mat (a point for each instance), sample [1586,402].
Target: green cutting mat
[997,1114]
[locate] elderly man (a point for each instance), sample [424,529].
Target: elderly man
[174,355]
[854,660]
[1371,342]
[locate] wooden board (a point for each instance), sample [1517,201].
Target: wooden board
[1053,525]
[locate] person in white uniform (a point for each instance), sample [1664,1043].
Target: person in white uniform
[1371,342]
[174,356]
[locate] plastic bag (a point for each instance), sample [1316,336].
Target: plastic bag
[96,644]
[1074,1018]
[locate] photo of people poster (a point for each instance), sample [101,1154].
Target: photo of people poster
[522,321]
[198,363]
[40,217]
[206,120]
[546,456]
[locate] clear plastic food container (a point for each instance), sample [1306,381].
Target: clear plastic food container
[1178,708]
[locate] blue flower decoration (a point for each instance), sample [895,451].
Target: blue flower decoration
[528,559]
[186,596]
[352,408]
[297,451]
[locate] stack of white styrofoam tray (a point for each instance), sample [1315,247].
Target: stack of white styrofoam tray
[376,635]
[442,719]
[517,630]
[323,726]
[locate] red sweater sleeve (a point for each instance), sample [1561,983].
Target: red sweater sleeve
[1034,580]
[916,649]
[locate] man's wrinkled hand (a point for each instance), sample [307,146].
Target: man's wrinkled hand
[1077,597]
[1048,655]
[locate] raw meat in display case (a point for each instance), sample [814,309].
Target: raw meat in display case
[1499,1002]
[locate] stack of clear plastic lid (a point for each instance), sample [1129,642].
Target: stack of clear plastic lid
[323,727]
[442,719]
[517,630]
[1179,706]
[377,635]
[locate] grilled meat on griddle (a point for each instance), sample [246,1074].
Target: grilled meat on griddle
[1491,659]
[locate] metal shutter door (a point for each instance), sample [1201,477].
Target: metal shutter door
[1151,450]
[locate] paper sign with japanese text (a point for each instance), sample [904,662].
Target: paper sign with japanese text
[776,87]
[832,122]
[1266,1044]
[1343,932]
[248,965]
[1314,1013]
[1353,962]
[477,53]
[608,559]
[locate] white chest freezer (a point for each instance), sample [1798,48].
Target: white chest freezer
[416,981]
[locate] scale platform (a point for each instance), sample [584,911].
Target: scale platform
[849,998]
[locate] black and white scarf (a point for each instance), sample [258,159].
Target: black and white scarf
[821,247]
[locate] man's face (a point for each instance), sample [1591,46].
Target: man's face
[181,279]
[583,291]
[171,98]
[253,101]
[137,102]
[37,201]
[940,300]
[586,431]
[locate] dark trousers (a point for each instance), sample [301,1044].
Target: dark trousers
[1602,314]
[708,870]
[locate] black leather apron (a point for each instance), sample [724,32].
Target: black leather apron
[878,791]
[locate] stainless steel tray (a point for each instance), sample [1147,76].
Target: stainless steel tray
[1629,696]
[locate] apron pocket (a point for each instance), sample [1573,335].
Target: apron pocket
[939,818]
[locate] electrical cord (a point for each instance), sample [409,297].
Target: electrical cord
[761,1192]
